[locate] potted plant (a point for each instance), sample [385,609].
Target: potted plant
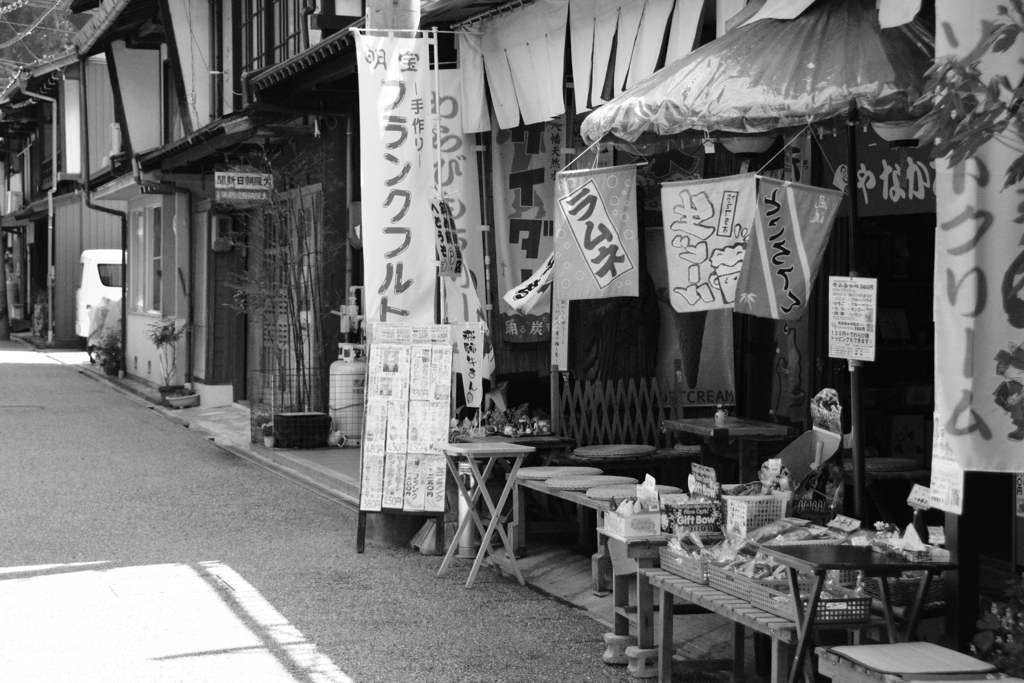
[165,335]
[268,434]
[108,351]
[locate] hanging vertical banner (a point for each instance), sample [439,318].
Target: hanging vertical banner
[791,229]
[707,223]
[979,273]
[449,256]
[695,350]
[560,334]
[469,360]
[526,295]
[458,177]
[596,245]
[396,160]
[526,160]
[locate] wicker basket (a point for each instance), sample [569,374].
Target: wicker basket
[685,566]
[846,610]
[746,513]
[903,590]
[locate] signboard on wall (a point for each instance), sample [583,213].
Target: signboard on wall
[233,187]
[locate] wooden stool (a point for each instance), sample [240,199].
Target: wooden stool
[893,662]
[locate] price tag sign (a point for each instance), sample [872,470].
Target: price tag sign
[937,535]
[845,524]
[852,308]
[919,496]
[705,481]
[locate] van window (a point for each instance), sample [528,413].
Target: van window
[110,274]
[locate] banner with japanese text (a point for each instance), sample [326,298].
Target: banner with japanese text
[695,350]
[596,244]
[890,180]
[790,233]
[706,227]
[979,273]
[397,175]
[525,162]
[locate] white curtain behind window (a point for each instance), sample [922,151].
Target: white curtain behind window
[637,28]
[522,54]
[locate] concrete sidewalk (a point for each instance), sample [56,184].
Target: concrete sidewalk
[554,569]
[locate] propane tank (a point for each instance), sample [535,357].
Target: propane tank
[348,391]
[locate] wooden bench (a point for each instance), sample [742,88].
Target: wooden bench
[601,561]
[781,631]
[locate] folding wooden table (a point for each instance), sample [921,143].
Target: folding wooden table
[492,453]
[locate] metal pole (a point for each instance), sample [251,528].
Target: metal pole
[856,380]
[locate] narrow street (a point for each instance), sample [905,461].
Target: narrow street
[134,550]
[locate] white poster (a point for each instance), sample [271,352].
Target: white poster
[397,174]
[852,312]
[372,485]
[434,474]
[946,490]
[979,271]
[415,482]
[394,481]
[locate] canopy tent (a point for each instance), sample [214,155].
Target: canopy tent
[833,61]
[775,74]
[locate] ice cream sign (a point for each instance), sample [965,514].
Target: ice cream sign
[745,242]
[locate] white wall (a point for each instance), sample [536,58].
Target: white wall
[139,77]
[190,20]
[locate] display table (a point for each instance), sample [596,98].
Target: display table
[748,432]
[548,446]
[894,663]
[491,453]
[819,559]
[744,615]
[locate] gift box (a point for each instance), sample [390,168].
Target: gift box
[633,526]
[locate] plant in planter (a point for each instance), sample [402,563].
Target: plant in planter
[165,335]
[1000,638]
[267,428]
[109,350]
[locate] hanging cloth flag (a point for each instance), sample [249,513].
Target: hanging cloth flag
[596,245]
[524,296]
[449,256]
[791,229]
[706,227]
[397,177]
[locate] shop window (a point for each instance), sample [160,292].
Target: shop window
[271,32]
[147,259]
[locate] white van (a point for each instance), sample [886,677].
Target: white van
[101,278]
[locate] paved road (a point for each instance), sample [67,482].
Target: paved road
[133,550]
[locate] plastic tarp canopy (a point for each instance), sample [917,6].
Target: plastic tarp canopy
[775,74]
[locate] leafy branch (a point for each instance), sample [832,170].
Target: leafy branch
[968,111]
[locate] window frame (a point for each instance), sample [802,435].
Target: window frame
[146,265]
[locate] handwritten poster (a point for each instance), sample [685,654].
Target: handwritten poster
[415,482]
[397,168]
[394,481]
[946,490]
[707,223]
[434,473]
[449,255]
[371,487]
[469,347]
[852,312]
[596,240]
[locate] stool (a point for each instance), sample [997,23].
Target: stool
[892,662]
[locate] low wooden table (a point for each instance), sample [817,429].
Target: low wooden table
[646,552]
[748,432]
[517,529]
[782,631]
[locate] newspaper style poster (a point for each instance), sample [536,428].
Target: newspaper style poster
[375,428]
[415,482]
[388,373]
[394,481]
[420,429]
[434,474]
[420,384]
[371,487]
[439,422]
[441,373]
[398,427]
[392,333]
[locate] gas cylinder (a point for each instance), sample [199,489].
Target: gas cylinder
[348,391]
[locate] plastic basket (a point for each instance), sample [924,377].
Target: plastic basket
[685,566]
[903,590]
[746,513]
[845,610]
[736,584]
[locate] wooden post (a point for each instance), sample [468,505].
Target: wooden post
[962,585]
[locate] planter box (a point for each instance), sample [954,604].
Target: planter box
[182,401]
